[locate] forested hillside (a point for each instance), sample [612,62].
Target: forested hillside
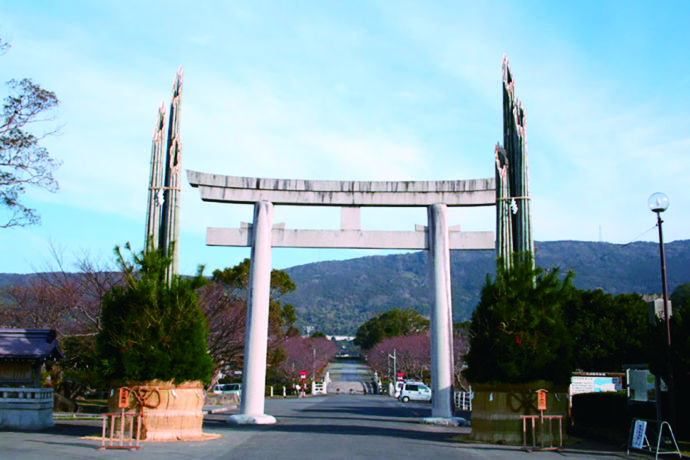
[338,296]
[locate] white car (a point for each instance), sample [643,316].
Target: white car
[415,391]
[398,387]
[228,389]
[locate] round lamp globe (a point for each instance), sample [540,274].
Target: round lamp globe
[658,202]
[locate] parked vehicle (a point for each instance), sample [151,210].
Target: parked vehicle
[228,389]
[415,391]
[398,387]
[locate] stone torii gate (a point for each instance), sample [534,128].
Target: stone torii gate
[437,237]
[508,191]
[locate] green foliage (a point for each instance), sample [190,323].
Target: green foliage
[680,342]
[680,355]
[518,333]
[680,298]
[609,330]
[392,323]
[339,296]
[238,277]
[152,330]
[234,277]
[317,335]
[288,315]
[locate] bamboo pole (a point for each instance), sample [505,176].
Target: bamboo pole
[504,239]
[155,191]
[170,221]
[515,145]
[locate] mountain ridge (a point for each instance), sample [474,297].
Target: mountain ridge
[337,296]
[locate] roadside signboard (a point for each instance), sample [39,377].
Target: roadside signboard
[595,383]
[541,400]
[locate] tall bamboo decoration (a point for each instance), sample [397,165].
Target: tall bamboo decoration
[155,201]
[163,210]
[512,162]
[504,227]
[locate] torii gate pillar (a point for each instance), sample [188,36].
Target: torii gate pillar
[256,338]
[441,316]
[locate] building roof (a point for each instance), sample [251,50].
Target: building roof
[29,344]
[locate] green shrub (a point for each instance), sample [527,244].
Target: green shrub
[518,333]
[151,329]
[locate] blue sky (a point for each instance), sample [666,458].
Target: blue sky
[352,90]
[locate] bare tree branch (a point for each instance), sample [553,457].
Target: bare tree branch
[23,161]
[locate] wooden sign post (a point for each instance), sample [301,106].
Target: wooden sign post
[541,405]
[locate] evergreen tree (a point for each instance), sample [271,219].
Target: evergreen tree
[152,330]
[610,331]
[518,333]
[392,323]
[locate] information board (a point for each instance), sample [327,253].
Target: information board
[594,384]
[639,432]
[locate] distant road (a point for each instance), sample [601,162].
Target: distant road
[349,371]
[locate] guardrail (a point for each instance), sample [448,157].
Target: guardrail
[26,394]
[117,438]
[463,400]
[541,419]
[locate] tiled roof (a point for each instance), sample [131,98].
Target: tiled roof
[29,344]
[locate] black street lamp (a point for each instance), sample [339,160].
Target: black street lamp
[658,203]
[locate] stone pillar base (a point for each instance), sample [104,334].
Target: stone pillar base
[445,421]
[242,419]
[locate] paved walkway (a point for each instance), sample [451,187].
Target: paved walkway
[329,427]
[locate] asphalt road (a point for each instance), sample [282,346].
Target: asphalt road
[346,371]
[329,427]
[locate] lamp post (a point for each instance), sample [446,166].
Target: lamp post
[658,203]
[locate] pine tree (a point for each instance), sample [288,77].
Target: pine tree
[152,330]
[518,332]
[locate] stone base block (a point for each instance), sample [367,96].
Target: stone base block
[445,421]
[26,408]
[242,419]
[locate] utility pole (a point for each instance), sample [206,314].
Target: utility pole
[393,380]
[395,368]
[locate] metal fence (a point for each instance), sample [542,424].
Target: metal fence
[463,400]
